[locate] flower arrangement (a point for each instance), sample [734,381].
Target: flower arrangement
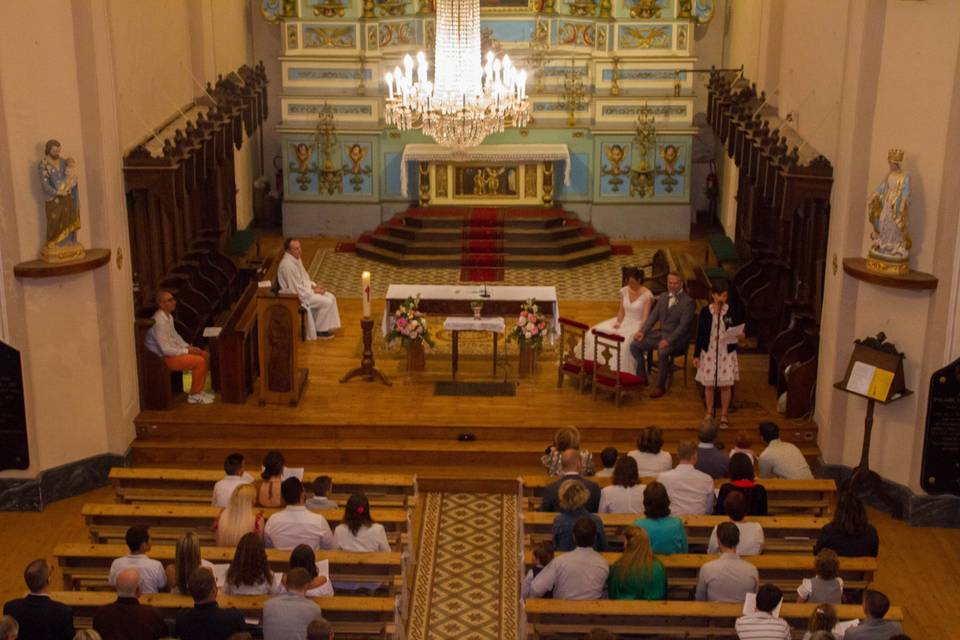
[410,324]
[531,326]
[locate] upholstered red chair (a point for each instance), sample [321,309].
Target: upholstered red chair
[607,376]
[573,360]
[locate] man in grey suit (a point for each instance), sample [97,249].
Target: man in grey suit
[675,312]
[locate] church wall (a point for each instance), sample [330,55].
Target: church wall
[62,378]
[880,75]
[741,47]
[152,62]
[341,61]
[95,75]
[810,73]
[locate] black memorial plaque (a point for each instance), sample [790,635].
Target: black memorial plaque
[14,453]
[940,469]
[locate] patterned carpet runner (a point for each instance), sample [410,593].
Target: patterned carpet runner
[466,586]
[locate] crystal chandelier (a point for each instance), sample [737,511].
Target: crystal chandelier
[467,101]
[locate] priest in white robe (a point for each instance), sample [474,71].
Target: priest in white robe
[323,317]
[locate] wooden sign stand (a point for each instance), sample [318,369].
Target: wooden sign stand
[278,331]
[885,361]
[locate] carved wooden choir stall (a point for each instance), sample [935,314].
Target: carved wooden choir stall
[783,215]
[181,207]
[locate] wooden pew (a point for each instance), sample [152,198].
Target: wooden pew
[109,522]
[785,571]
[561,619]
[815,497]
[351,616]
[783,534]
[86,566]
[196,485]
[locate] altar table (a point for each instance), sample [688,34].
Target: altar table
[456,324]
[454,300]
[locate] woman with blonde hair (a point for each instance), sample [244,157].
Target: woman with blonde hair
[573,497]
[239,517]
[566,438]
[186,559]
[87,634]
[637,575]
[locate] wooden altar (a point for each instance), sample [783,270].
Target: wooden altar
[472,183]
[496,174]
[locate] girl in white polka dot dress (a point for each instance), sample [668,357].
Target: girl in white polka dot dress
[717,364]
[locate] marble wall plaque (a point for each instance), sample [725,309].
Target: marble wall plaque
[14,453]
[940,470]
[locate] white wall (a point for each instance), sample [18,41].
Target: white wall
[865,77]
[96,75]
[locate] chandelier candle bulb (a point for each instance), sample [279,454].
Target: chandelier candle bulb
[365,292]
[467,99]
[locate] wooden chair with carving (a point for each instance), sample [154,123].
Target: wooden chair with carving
[573,360]
[607,375]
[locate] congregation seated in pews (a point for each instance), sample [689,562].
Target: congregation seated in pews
[276,568]
[710,501]
[196,614]
[586,575]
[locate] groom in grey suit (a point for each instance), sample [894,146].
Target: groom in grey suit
[674,312]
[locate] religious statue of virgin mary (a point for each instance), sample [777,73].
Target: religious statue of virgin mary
[888,212]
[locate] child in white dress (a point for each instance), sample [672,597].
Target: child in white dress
[714,357]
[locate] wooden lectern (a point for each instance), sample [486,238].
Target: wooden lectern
[875,372]
[278,334]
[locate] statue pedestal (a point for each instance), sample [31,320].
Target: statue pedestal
[888,267]
[56,254]
[91,259]
[915,280]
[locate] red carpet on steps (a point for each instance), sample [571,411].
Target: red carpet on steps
[481,249]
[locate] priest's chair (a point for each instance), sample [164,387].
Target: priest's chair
[573,360]
[607,375]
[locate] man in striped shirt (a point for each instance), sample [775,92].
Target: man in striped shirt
[762,624]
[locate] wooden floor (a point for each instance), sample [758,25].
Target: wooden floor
[410,402]
[917,565]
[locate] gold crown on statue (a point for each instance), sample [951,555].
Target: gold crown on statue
[895,155]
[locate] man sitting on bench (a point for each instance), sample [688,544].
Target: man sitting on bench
[164,341]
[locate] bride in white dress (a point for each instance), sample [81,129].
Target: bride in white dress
[635,303]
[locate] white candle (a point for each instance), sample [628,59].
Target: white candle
[365,293]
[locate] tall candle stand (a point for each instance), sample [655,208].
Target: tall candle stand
[367,371]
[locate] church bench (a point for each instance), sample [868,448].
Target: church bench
[134,485]
[86,566]
[723,251]
[783,534]
[168,522]
[815,497]
[351,616]
[547,619]
[785,571]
